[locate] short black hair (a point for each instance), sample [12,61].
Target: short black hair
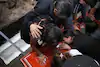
[51,33]
[64,8]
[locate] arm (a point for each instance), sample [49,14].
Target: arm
[75,11]
[41,57]
[30,24]
[31,19]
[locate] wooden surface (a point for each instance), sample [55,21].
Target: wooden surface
[10,15]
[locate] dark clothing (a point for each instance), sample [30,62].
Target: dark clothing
[89,45]
[80,61]
[91,3]
[75,61]
[78,7]
[97,14]
[43,9]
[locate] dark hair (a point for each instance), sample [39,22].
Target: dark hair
[51,34]
[64,8]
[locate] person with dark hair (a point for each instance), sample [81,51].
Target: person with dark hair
[79,6]
[50,12]
[81,61]
[73,58]
[58,11]
[63,11]
[87,44]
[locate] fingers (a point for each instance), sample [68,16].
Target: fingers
[39,27]
[91,17]
[42,60]
[35,32]
[38,31]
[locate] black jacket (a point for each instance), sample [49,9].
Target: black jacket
[43,9]
[89,45]
[80,61]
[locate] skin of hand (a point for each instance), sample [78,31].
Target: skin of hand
[91,13]
[35,30]
[42,59]
[76,26]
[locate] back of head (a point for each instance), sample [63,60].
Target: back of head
[54,34]
[51,33]
[81,61]
[64,8]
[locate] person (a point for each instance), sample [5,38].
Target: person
[87,44]
[74,58]
[63,14]
[81,61]
[80,6]
[48,9]
[95,8]
[51,35]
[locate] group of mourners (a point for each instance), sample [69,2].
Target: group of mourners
[55,24]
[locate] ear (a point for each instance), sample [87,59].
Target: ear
[55,11]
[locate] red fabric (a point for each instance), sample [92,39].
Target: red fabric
[32,60]
[32,57]
[47,50]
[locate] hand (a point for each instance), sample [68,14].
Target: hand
[91,17]
[74,21]
[91,14]
[42,59]
[35,30]
[76,26]
[92,11]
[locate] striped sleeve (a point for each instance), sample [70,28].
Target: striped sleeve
[76,8]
